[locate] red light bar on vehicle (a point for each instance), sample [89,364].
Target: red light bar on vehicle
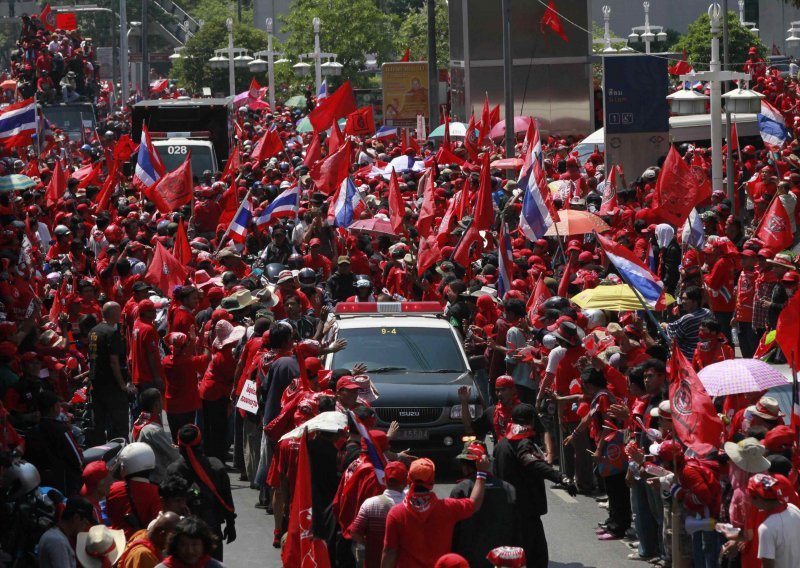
[387,307]
[193,134]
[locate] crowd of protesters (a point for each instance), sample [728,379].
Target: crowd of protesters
[89,325]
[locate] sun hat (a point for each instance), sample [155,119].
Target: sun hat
[227,334]
[99,546]
[748,454]
[766,408]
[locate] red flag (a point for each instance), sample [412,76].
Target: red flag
[486,120]
[231,167]
[563,285]
[429,253]
[408,142]
[426,211]
[446,144]
[59,301]
[254,92]
[88,174]
[443,231]
[48,18]
[125,148]
[494,116]
[57,186]
[269,145]
[181,249]
[397,208]
[700,174]
[484,206]
[734,142]
[335,139]
[229,204]
[303,548]
[471,139]
[406,56]
[680,68]
[775,229]
[445,156]
[610,202]
[540,293]
[165,271]
[694,417]
[32,169]
[787,332]
[104,197]
[174,189]
[676,190]
[360,123]
[463,203]
[327,174]
[461,254]
[314,151]
[333,107]
[552,20]
[159,86]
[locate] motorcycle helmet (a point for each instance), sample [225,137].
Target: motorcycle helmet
[61,230]
[556,303]
[307,276]
[273,269]
[20,479]
[594,318]
[136,458]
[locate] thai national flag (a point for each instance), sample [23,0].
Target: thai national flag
[18,124]
[149,168]
[693,231]
[323,91]
[535,217]
[505,263]
[237,230]
[347,205]
[772,127]
[287,204]
[377,460]
[386,132]
[635,273]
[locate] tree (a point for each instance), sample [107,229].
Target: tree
[192,70]
[350,28]
[413,34]
[697,42]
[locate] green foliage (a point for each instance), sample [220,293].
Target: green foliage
[192,70]
[402,7]
[350,28]
[697,42]
[413,34]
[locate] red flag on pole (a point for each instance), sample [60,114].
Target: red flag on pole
[446,144]
[787,332]
[165,271]
[231,167]
[48,18]
[125,148]
[775,229]
[552,20]
[335,138]
[59,301]
[461,254]
[335,106]
[700,174]
[494,116]
[88,174]
[676,190]
[104,197]
[181,249]
[426,211]
[57,186]
[471,139]
[406,56]
[563,285]
[540,293]
[397,208]
[360,122]
[429,253]
[229,204]
[484,206]
[174,189]
[254,92]
[610,202]
[694,416]
[304,549]
[269,145]
[314,151]
[486,120]
[327,174]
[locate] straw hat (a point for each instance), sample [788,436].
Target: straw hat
[766,408]
[748,455]
[227,333]
[98,544]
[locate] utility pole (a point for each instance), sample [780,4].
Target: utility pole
[145,78]
[726,62]
[507,85]
[433,71]
[123,53]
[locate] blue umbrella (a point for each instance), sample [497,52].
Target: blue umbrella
[15,182]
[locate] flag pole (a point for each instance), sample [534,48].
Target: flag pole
[228,230]
[795,399]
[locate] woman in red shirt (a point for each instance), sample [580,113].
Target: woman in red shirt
[181,371]
[182,318]
[712,347]
[216,388]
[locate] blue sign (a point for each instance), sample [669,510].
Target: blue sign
[635,93]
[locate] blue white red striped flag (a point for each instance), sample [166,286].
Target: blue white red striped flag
[375,457]
[18,124]
[287,204]
[237,230]
[347,205]
[538,213]
[635,273]
[772,127]
[149,167]
[505,263]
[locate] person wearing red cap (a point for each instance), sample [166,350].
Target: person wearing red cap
[411,524]
[316,260]
[96,484]
[712,346]
[719,284]
[146,366]
[778,545]
[745,296]
[495,418]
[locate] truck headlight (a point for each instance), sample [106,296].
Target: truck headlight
[474,411]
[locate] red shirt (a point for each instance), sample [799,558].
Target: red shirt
[144,339]
[180,382]
[206,216]
[566,374]
[218,379]
[745,294]
[422,537]
[319,263]
[118,504]
[719,283]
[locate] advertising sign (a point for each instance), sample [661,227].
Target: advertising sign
[636,87]
[405,93]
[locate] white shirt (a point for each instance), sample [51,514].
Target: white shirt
[554,358]
[778,538]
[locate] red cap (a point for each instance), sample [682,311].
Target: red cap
[93,474]
[510,556]
[347,382]
[422,472]
[504,382]
[52,363]
[779,439]
[451,560]
[574,245]
[396,471]
[315,241]
[146,305]
[765,486]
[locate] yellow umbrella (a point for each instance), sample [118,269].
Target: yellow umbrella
[616,298]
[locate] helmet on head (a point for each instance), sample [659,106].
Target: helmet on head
[594,318]
[307,276]
[555,303]
[136,458]
[61,230]
[20,479]
[114,234]
[273,269]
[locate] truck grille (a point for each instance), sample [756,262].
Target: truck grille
[408,415]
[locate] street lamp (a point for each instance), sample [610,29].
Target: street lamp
[230,57]
[793,30]
[749,25]
[608,39]
[645,32]
[258,65]
[329,68]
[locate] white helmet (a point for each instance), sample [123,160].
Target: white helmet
[594,318]
[20,479]
[136,458]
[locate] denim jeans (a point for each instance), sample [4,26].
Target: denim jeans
[706,547]
[648,520]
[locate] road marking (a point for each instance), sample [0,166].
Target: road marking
[564,496]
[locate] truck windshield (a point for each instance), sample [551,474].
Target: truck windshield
[70,118]
[173,156]
[399,350]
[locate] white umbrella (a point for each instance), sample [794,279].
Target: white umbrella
[331,421]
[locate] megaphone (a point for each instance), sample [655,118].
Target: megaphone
[693,524]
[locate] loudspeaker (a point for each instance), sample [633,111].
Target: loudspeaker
[694,524]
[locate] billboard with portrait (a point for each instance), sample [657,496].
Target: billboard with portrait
[405,93]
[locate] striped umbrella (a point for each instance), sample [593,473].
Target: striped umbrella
[736,376]
[15,182]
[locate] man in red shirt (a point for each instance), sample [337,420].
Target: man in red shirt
[745,296]
[316,260]
[146,370]
[719,283]
[133,502]
[420,530]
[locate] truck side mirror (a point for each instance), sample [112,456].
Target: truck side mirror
[477,362]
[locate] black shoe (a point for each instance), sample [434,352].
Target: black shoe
[269,509]
[243,477]
[261,505]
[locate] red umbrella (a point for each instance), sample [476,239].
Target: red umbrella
[507,164]
[520,125]
[372,226]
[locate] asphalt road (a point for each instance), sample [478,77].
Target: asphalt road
[569,525]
